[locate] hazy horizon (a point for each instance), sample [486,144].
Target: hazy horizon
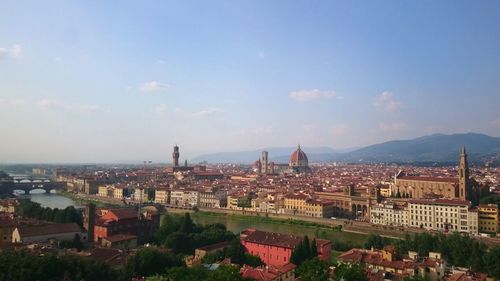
[100,82]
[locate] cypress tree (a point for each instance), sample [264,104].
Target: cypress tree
[314,249]
[307,248]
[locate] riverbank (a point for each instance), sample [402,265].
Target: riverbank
[236,223]
[266,219]
[85,199]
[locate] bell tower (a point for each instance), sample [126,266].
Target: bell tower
[264,162]
[175,156]
[463,176]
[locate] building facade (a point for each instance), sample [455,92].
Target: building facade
[443,215]
[389,214]
[488,218]
[275,249]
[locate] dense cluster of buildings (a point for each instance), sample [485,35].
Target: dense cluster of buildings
[441,199]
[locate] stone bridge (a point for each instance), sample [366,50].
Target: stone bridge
[27,187]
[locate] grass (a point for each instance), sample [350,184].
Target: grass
[290,226]
[265,219]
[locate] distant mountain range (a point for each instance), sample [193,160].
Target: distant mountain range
[437,148]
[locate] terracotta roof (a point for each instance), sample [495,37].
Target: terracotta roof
[431,179]
[298,155]
[48,229]
[121,214]
[119,238]
[215,246]
[457,202]
[278,239]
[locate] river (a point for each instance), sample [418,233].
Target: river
[237,224]
[52,200]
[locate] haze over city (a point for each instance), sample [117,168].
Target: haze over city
[106,82]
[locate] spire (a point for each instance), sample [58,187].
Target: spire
[463,150]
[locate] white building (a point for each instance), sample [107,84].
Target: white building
[389,213]
[184,198]
[213,198]
[141,194]
[443,215]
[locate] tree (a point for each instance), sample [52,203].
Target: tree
[187,225]
[491,262]
[225,273]
[314,248]
[180,242]
[376,241]
[196,273]
[349,272]
[312,270]
[148,262]
[236,251]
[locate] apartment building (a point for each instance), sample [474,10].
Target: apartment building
[162,195]
[389,213]
[488,218]
[443,215]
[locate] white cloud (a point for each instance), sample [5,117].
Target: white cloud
[386,102]
[49,104]
[206,112]
[311,95]
[153,86]
[14,52]
[160,109]
[4,103]
[396,126]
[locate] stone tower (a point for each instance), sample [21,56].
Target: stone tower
[264,161]
[463,176]
[89,221]
[175,156]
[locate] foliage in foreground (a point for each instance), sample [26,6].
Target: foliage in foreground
[182,235]
[24,266]
[312,270]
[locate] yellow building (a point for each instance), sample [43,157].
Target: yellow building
[488,218]
[302,205]
[118,192]
[103,191]
[161,195]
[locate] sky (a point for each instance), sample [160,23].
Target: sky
[123,81]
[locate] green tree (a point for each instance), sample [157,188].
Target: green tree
[187,225]
[314,248]
[225,273]
[196,273]
[491,260]
[312,270]
[148,262]
[349,272]
[236,251]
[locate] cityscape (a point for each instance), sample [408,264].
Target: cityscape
[250,140]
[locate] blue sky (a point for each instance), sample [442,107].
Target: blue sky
[107,81]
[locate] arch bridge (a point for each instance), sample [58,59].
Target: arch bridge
[27,187]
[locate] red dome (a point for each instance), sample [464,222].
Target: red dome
[298,158]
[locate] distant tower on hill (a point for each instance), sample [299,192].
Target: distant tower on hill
[264,162]
[463,176]
[175,156]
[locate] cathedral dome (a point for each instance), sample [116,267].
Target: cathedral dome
[298,158]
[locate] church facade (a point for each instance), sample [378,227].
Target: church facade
[418,187]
